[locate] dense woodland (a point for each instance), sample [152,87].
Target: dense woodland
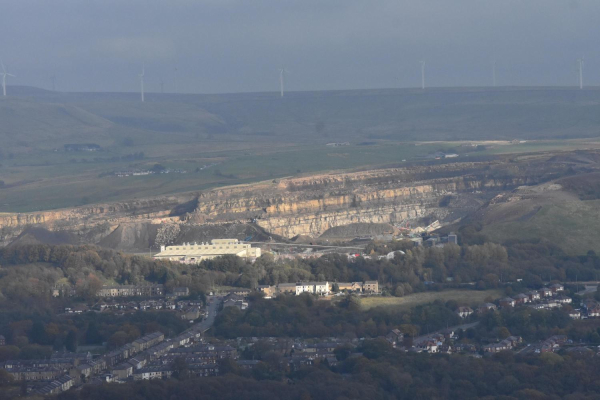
[307,317]
[304,316]
[33,335]
[29,272]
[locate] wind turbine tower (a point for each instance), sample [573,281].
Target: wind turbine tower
[423,75]
[142,81]
[580,61]
[282,72]
[4,75]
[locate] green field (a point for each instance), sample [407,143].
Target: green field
[254,137]
[54,181]
[462,297]
[572,225]
[61,183]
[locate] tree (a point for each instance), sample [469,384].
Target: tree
[118,339]
[228,366]
[157,168]
[71,341]
[342,352]
[181,369]
[92,335]
[5,378]
[352,303]
[8,352]
[38,332]
[376,348]
[503,332]
[34,351]
[399,292]
[264,371]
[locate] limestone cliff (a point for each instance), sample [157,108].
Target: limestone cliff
[305,205]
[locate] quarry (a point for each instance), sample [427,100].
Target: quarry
[333,205]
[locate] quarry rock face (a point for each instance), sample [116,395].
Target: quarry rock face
[305,206]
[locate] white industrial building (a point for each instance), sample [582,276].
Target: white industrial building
[192,253]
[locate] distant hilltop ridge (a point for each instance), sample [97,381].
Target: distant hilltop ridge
[23,90]
[471,113]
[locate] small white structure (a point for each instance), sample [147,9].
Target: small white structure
[464,312]
[392,254]
[575,314]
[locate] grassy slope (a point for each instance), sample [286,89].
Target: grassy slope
[466,297]
[571,225]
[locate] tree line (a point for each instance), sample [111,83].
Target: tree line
[30,271]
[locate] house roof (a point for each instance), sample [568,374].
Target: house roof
[124,366]
[464,309]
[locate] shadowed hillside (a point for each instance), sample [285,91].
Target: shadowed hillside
[400,114]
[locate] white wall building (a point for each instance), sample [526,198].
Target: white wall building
[313,287]
[192,253]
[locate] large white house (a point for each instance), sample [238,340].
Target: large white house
[313,287]
[191,253]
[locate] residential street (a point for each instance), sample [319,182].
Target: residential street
[213,304]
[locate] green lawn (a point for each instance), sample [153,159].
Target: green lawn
[463,297]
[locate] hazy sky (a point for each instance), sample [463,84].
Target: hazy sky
[211,46]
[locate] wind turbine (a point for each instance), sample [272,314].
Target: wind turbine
[282,72]
[580,61]
[142,80]
[423,75]
[4,75]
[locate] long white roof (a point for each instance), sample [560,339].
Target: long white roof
[198,252]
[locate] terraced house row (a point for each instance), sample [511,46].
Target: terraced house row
[319,288]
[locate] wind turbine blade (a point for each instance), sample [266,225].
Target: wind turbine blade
[14,76]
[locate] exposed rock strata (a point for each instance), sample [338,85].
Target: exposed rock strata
[309,205]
